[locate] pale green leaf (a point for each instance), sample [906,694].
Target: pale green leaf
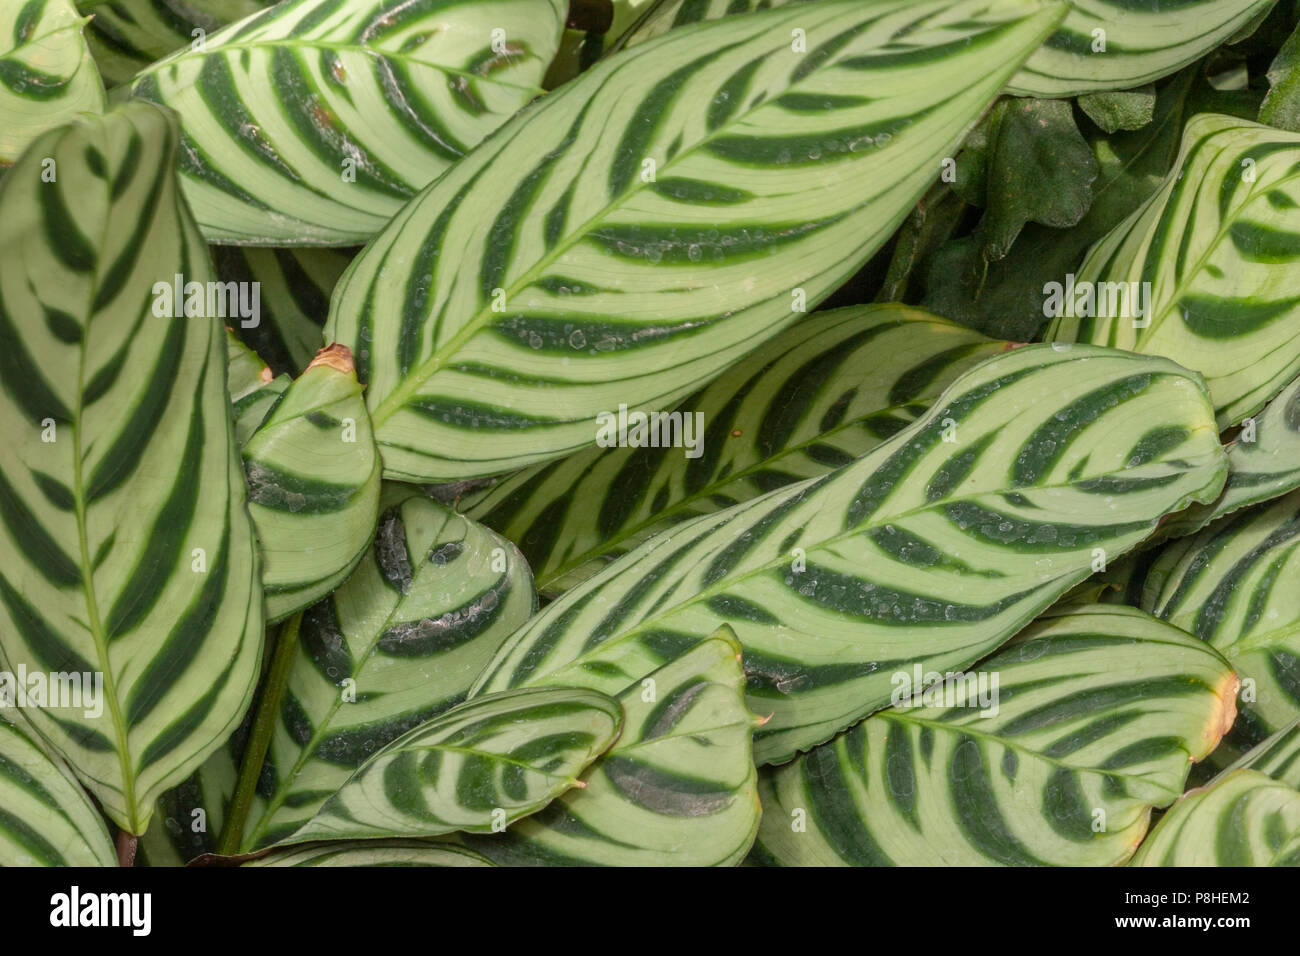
[933,548]
[1052,752]
[313,122]
[126,547]
[374,853]
[478,767]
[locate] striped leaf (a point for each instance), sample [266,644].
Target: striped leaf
[373,853]
[1230,586]
[311,123]
[46,74]
[677,789]
[294,297]
[1263,463]
[816,397]
[1091,722]
[313,484]
[46,819]
[1277,757]
[653,221]
[478,767]
[254,391]
[400,642]
[126,547]
[1244,819]
[189,816]
[928,549]
[1139,40]
[125,36]
[1217,244]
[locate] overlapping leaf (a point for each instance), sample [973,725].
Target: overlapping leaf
[1243,819]
[1102,45]
[1277,757]
[478,767]
[816,397]
[254,391]
[400,642]
[1230,585]
[673,208]
[311,123]
[372,853]
[46,73]
[313,484]
[1051,752]
[935,547]
[1263,463]
[46,819]
[677,789]
[1213,251]
[188,818]
[294,297]
[126,547]
[125,36]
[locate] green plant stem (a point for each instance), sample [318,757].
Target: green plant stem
[259,738]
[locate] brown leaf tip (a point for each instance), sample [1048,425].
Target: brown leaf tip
[336,356]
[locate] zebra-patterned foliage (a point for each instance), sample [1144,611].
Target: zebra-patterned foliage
[46,73]
[1051,752]
[1243,819]
[294,295]
[1277,757]
[311,123]
[400,642]
[372,853]
[126,548]
[313,484]
[125,36]
[1102,45]
[188,818]
[46,819]
[594,262]
[1232,585]
[253,390]
[677,789]
[933,548]
[478,767]
[1205,271]
[816,397]
[1263,463]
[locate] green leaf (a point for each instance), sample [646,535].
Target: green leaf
[46,819]
[573,284]
[1281,106]
[1203,272]
[816,397]
[313,484]
[1277,757]
[677,789]
[1245,819]
[126,36]
[1263,463]
[399,643]
[46,74]
[1051,753]
[373,853]
[189,816]
[478,767]
[126,546]
[1140,41]
[312,123]
[254,392]
[1120,110]
[1039,169]
[1228,585]
[924,550]
[294,298]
